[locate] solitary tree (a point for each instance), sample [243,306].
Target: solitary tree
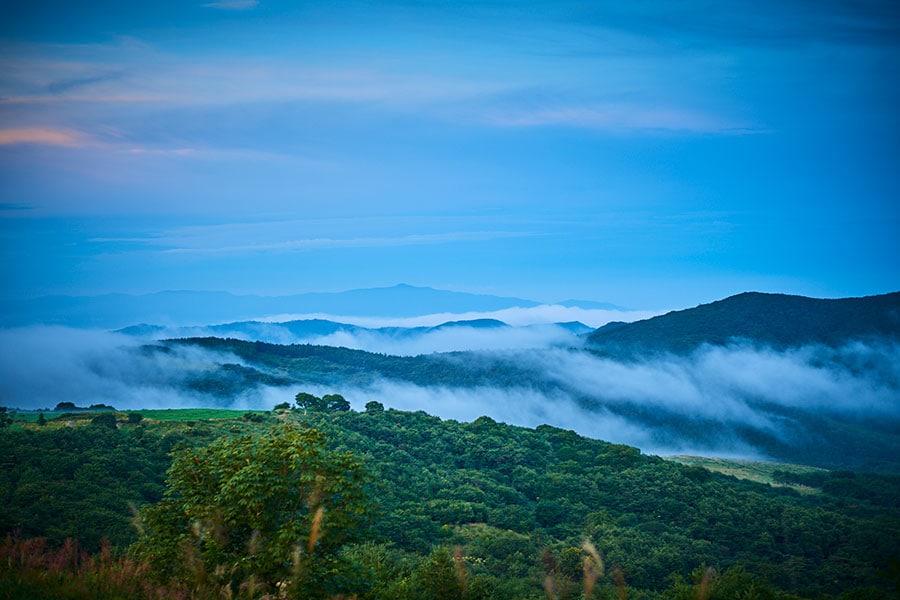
[335,402]
[261,513]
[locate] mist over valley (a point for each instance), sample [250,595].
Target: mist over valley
[823,390]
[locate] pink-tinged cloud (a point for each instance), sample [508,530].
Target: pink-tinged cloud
[42,135]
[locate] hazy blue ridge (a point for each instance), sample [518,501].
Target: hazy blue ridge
[202,307]
[776,320]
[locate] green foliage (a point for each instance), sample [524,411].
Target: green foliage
[253,417]
[490,510]
[135,417]
[327,403]
[335,403]
[5,417]
[228,380]
[79,482]
[106,419]
[269,509]
[504,494]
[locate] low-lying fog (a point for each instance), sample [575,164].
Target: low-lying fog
[738,388]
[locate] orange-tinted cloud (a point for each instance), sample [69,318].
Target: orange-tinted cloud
[42,135]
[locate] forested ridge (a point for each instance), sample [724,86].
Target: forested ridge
[514,512]
[774,320]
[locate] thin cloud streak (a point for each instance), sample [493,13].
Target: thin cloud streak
[623,118]
[361,242]
[233,4]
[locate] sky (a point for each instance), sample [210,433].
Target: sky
[650,154]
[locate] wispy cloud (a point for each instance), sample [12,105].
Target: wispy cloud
[299,245]
[233,4]
[623,118]
[43,135]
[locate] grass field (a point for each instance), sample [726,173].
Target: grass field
[168,414]
[193,414]
[753,470]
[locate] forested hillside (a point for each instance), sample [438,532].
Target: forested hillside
[811,419]
[775,320]
[515,506]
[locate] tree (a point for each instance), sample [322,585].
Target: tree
[336,403]
[328,402]
[373,406]
[261,512]
[135,417]
[306,402]
[5,417]
[41,420]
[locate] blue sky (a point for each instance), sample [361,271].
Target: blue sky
[650,154]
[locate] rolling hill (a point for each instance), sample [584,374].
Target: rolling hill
[775,320]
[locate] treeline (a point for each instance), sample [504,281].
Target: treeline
[336,366]
[470,510]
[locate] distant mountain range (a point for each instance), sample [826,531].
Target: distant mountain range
[200,308]
[333,333]
[775,320]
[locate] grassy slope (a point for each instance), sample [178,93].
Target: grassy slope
[751,470]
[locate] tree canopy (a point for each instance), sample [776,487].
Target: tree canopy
[262,511]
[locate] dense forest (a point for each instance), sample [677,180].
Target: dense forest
[390,504]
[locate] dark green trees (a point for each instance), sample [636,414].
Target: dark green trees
[327,403]
[106,419]
[260,514]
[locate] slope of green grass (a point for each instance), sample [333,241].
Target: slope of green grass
[193,414]
[751,470]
